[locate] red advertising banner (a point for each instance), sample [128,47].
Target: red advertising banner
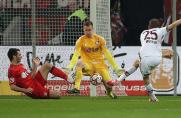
[126,88]
[63,86]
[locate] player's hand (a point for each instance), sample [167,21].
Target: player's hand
[36,61]
[119,71]
[28,90]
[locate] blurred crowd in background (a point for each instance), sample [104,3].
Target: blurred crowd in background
[128,19]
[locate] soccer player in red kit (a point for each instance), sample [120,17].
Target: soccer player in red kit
[32,84]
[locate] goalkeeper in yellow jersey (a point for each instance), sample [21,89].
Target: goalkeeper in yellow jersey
[92,51]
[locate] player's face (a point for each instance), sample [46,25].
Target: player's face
[18,57]
[88,30]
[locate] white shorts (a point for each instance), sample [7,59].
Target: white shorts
[147,64]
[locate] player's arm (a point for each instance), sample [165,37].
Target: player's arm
[112,61]
[36,63]
[110,58]
[74,59]
[19,89]
[173,25]
[76,55]
[108,54]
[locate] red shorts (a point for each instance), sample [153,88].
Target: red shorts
[39,90]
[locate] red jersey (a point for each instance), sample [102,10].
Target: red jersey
[20,77]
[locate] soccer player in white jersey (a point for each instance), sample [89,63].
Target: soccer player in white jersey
[151,53]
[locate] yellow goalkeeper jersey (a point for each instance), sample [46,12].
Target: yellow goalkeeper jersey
[91,49]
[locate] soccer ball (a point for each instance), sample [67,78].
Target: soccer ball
[96,79]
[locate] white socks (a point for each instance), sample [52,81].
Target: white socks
[149,87]
[127,73]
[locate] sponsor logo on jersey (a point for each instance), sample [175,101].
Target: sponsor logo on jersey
[92,50]
[23,75]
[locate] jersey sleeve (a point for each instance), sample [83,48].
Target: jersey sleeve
[76,54]
[11,78]
[164,33]
[102,41]
[108,54]
[78,45]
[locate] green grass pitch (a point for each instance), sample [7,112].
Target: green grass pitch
[90,107]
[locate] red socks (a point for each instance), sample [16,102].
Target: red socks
[58,72]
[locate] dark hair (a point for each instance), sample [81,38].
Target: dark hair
[88,23]
[154,23]
[12,52]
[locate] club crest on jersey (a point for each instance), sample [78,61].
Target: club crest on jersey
[23,75]
[97,42]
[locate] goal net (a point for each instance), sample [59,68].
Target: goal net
[54,26]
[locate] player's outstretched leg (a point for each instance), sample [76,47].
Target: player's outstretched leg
[78,77]
[71,75]
[130,71]
[152,97]
[47,67]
